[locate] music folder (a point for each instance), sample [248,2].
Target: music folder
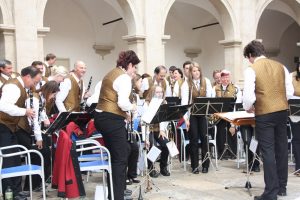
[64,118]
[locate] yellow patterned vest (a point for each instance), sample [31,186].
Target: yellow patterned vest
[230,91]
[195,92]
[108,99]
[72,101]
[151,83]
[12,121]
[270,88]
[296,85]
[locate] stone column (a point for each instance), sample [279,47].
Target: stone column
[42,32]
[137,44]
[26,32]
[233,55]
[9,50]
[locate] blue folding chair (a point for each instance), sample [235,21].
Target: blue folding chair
[102,161]
[22,170]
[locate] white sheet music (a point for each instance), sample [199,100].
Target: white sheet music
[151,110]
[153,153]
[237,115]
[253,145]
[172,149]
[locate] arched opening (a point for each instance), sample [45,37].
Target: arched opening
[73,36]
[200,45]
[280,32]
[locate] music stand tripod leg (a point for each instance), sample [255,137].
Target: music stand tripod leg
[226,145]
[208,154]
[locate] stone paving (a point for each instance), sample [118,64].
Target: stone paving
[183,185]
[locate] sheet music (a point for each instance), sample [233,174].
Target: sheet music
[237,115]
[253,145]
[153,153]
[151,110]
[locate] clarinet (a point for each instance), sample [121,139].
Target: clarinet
[87,90]
[32,120]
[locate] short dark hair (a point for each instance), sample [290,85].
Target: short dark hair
[35,63]
[127,57]
[179,71]
[50,56]
[4,62]
[172,68]
[186,63]
[30,70]
[254,49]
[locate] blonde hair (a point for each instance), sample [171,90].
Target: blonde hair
[59,71]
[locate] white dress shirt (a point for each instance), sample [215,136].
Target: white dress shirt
[64,89]
[10,95]
[249,97]
[293,97]
[39,117]
[145,86]
[95,97]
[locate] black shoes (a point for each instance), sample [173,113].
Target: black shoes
[258,198]
[154,174]
[164,172]
[195,171]
[255,169]
[282,193]
[129,181]
[204,170]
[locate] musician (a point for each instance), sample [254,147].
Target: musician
[158,79]
[12,108]
[40,66]
[72,89]
[270,117]
[27,128]
[58,74]
[178,77]
[158,134]
[50,61]
[110,114]
[198,86]
[296,125]
[226,89]
[6,71]
[170,78]
[217,77]
[186,69]
[132,140]
[95,96]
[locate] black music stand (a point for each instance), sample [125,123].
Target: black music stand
[206,106]
[294,110]
[91,108]
[173,101]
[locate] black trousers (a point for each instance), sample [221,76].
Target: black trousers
[198,130]
[296,143]
[132,160]
[154,137]
[112,128]
[221,137]
[271,134]
[247,133]
[25,139]
[8,138]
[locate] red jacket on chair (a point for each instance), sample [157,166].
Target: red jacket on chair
[66,172]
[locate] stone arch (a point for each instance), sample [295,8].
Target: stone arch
[130,14]
[6,12]
[220,9]
[288,7]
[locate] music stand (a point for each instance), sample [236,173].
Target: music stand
[162,113]
[294,112]
[206,106]
[173,101]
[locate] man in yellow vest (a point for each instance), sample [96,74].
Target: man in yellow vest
[267,88]
[72,90]
[12,108]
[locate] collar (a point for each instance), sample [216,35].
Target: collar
[196,81]
[260,57]
[5,76]
[76,78]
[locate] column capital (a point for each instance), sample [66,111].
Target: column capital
[133,39]
[103,49]
[231,43]
[43,31]
[298,44]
